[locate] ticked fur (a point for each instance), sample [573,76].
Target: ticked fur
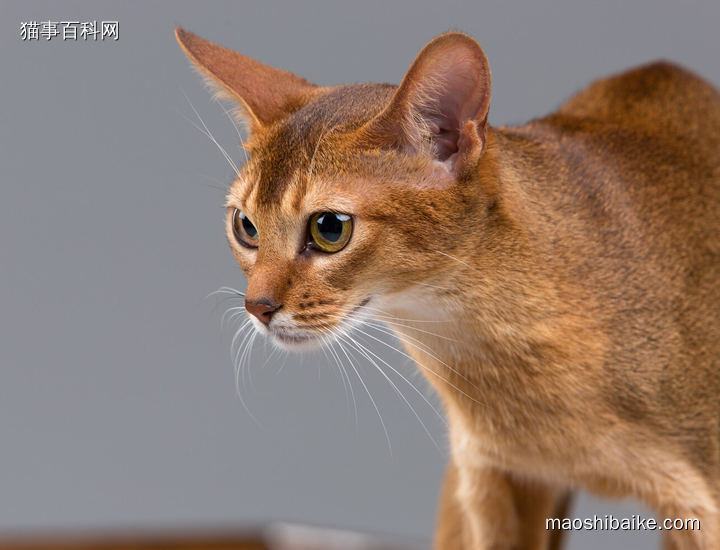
[566,272]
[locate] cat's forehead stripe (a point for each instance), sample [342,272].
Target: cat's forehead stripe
[288,150]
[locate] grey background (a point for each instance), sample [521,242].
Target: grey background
[117,394]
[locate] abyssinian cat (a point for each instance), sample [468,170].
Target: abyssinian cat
[566,272]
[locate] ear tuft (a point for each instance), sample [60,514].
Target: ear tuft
[447,86]
[265,94]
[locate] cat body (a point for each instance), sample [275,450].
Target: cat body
[557,283]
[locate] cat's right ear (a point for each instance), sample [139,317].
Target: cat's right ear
[442,104]
[265,94]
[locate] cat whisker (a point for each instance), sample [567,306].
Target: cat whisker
[433,286]
[231,293]
[417,343]
[368,354]
[391,321]
[237,364]
[382,327]
[285,354]
[346,337]
[428,369]
[237,334]
[457,260]
[224,317]
[439,415]
[236,315]
[237,129]
[244,364]
[329,351]
[238,391]
[215,183]
[205,130]
[372,400]
[424,349]
[352,391]
[385,314]
[270,355]
[228,290]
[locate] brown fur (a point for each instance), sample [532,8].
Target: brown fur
[568,270]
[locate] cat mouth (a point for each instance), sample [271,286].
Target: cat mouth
[295,340]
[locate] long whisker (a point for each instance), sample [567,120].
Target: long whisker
[414,342]
[239,331]
[244,365]
[429,333]
[425,348]
[213,182]
[205,130]
[227,312]
[238,390]
[352,391]
[456,259]
[364,351]
[227,290]
[241,350]
[425,367]
[237,129]
[229,294]
[433,286]
[401,375]
[419,345]
[377,410]
[329,352]
[385,315]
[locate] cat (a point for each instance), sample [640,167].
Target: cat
[565,274]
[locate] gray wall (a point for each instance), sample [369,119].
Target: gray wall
[117,392]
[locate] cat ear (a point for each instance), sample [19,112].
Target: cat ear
[442,102]
[265,94]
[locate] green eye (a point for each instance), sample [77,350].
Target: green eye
[244,230]
[330,232]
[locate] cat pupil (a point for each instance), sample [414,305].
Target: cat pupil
[330,227]
[249,227]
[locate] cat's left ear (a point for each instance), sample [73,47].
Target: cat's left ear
[265,94]
[442,103]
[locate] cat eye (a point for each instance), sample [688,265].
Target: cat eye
[245,232]
[329,231]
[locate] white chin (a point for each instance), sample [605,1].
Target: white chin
[296,342]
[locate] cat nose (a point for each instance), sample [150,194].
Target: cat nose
[263,309]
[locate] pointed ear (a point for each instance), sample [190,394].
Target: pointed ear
[265,94]
[442,102]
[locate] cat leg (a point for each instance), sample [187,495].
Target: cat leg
[449,530]
[491,510]
[689,495]
[535,503]
[707,537]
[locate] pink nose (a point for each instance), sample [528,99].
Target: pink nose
[263,309]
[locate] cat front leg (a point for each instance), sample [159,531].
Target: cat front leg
[483,508]
[450,532]
[707,537]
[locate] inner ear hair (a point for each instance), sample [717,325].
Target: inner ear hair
[447,86]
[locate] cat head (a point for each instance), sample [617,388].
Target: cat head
[355,195]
